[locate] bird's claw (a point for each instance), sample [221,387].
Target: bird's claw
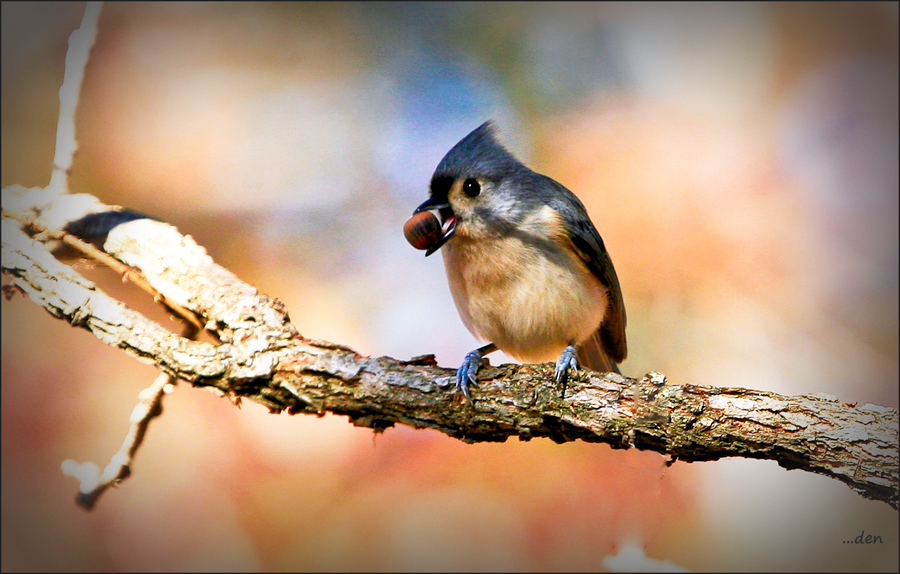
[566,361]
[466,373]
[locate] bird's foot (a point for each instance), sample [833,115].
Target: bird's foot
[467,371]
[566,361]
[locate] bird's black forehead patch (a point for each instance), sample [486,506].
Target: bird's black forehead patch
[440,187]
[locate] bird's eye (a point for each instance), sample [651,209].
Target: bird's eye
[471,187]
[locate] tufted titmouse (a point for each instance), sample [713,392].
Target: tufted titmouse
[527,269]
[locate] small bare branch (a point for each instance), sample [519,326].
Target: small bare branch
[80,43]
[128,274]
[93,483]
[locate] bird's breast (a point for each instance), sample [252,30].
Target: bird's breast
[528,295]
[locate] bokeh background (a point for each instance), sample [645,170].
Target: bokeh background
[740,161]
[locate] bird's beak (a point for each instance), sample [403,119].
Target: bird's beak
[445,215]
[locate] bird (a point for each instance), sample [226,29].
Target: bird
[527,269]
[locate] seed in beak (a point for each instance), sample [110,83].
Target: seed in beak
[423,230]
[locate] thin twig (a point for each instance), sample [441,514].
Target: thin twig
[80,43]
[128,273]
[93,483]
[132,275]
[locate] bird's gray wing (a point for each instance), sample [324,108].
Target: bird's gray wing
[607,345]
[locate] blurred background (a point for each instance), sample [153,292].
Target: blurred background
[739,160]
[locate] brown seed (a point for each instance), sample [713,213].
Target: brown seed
[423,230]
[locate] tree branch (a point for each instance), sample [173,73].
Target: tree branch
[262,357]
